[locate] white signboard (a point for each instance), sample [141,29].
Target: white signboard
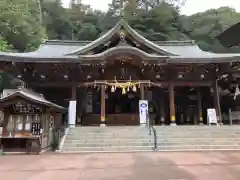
[27,126]
[1,131]
[20,127]
[143,111]
[212,116]
[72,113]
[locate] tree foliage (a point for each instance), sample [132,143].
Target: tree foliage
[19,23]
[4,46]
[25,23]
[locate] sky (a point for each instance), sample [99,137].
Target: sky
[191,6]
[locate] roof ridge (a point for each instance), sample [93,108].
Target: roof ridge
[64,42]
[73,42]
[176,43]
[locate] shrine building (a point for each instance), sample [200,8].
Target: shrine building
[107,77]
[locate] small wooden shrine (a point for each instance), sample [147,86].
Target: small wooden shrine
[28,122]
[107,77]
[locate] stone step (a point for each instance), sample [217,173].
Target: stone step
[109,129]
[107,149]
[109,137]
[169,138]
[102,134]
[133,144]
[107,140]
[198,127]
[197,138]
[198,131]
[198,143]
[158,133]
[198,134]
[197,147]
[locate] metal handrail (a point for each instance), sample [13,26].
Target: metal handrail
[155,145]
[152,129]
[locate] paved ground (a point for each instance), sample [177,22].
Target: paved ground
[127,166]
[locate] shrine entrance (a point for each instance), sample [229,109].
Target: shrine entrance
[122,108]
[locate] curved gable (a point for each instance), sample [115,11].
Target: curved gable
[114,37]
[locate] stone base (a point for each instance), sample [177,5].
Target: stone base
[72,125]
[102,125]
[173,124]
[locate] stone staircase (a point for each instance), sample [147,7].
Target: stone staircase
[194,138]
[107,139]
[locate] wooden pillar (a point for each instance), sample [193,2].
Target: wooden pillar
[142,92]
[200,115]
[103,118]
[172,105]
[74,93]
[216,100]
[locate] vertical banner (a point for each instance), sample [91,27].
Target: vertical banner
[72,113]
[143,111]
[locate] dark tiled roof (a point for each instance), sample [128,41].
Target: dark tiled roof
[31,96]
[75,51]
[230,37]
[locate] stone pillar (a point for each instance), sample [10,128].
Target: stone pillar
[199,107]
[103,118]
[172,105]
[217,100]
[72,107]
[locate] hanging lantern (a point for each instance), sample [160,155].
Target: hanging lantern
[123,91]
[112,89]
[134,89]
[128,89]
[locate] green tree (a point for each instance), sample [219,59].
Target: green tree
[204,27]
[20,24]
[4,46]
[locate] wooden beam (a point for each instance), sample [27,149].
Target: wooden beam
[162,83]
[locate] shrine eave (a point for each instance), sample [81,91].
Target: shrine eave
[32,98]
[225,58]
[100,58]
[39,59]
